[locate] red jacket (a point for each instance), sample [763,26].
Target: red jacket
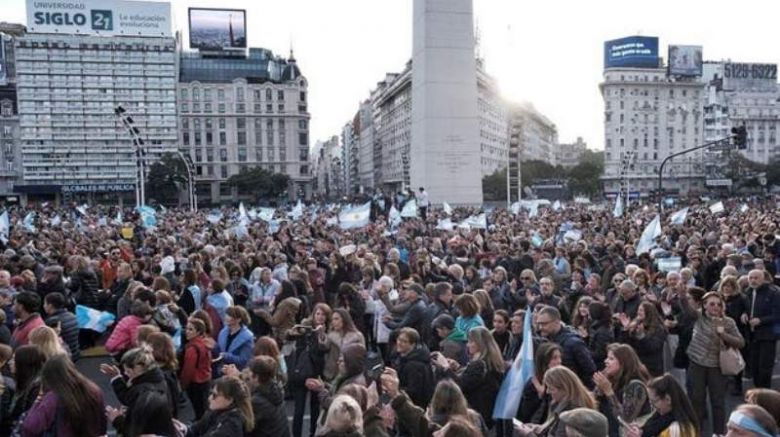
[196,366]
[123,337]
[21,334]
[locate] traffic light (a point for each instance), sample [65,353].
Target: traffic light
[739,134]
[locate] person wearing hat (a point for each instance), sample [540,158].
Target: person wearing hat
[416,313]
[584,422]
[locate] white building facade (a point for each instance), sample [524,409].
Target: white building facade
[537,135]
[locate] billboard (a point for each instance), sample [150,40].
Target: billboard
[99,17]
[746,76]
[685,60]
[632,51]
[217,29]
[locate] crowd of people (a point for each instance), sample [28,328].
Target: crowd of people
[391,329]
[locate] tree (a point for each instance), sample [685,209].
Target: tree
[584,177]
[773,173]
[535,170]
[494,185]
[165,178]
[260,183]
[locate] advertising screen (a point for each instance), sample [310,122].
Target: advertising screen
[99,17]
[217,29]
[632,51]
[685,60]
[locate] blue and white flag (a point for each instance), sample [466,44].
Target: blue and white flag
[148,216]
[82,209]
[445,225]
[651,232]
[90,318]
[618,210]
[678,218]
[118,219]
[240,231]
[243,218]
[266,214]
[102,221]
[356,217]
[394,217]
[476,221]
[537,240]
[557,205]
[410,209]
[332,221]
[297,211]
[273,227]
[518,375]
[5,227]
[717,207]
[447,208]
[214,217]
[56,221]
[252,213]
[744,208]
[515,208]
[29,221]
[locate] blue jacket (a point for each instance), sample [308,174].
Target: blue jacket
[240,351]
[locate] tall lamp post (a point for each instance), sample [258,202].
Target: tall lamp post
[190,182]
[135,134]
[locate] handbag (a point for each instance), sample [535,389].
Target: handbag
[731,361]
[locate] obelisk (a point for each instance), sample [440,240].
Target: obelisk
[445,149]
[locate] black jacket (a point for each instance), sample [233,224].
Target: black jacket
[576,355]
[416,375]
[226,423]
[270,413]
[84,287]
[649,349]
[69,330]
[128,394]
[767,308]
[599,337]
[45,288]
[480,387]
[414,317]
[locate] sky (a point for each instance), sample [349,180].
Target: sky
[549,53]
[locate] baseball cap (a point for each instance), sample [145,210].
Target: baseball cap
[589,423]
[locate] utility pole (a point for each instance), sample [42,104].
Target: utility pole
[135,134]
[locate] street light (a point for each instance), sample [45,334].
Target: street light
[135,134]
[190,182]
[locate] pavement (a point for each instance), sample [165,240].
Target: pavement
[89,365]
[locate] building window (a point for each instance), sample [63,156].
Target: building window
[198,155]
[221,108]
[195,95]
[184,93]
[241,138]
[209,138]
[210,170]
[207,107]
[197,138]
[280,95]
[224,173]
[223,155]
[185,107]
[258,108]
[281,107]
[258,154]
[220,94]
[303,154]
[241,123]
[207,94]
[221,123]
[241,154]
[210,155]
[257,94]
[269,108]
[239,94]
[270,154]
[209,124]
[185,123]
[302,124]
[303,96]
[222,138]
[240,108]
[304,170]
[269,132]
[268,94]
[303,139]
[186,138]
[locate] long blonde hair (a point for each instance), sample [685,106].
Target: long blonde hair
[488,349]
[47,341]
[563,379]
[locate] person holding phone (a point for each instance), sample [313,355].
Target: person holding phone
[673,413]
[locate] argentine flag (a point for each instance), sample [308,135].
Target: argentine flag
[557,205]
[394,217]
[618,210]
[445,225]
[56,221]
[5,227]
[647,240]
[476,221]
[243,218]
[678,218]
[410,209]
[522,370]
[148,216]
[266,214]
[356,217]
[214,217]
[296,212]
[447,208]
[118,219]
[28,222]
[90,318]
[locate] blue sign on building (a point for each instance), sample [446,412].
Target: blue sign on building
[632,51]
